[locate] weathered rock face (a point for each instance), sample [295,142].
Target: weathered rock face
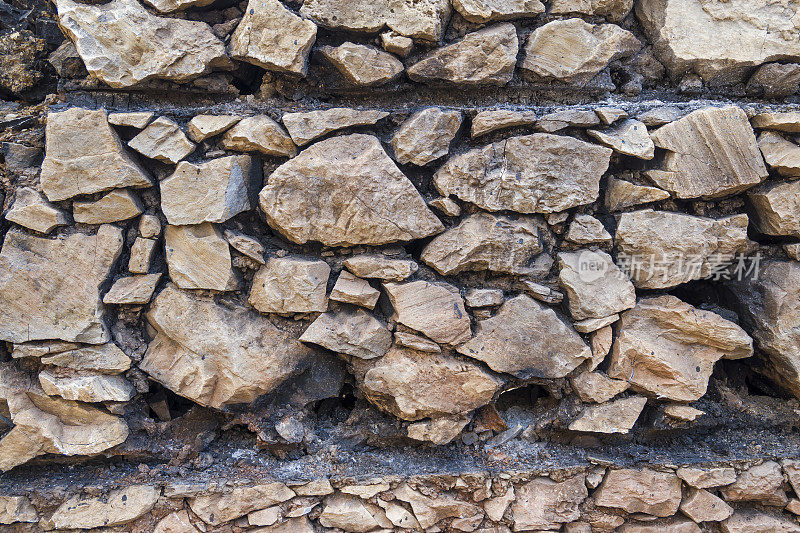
[775,205]
[119,204]
[350,513]
[538,173]
[345,191]
[85,386]
[123,44]
[17,509]
[426,136]
[614,10]
[495,119]
[595,286]
[122,507]
[307,126]
[259,134]
[546,504]
[363,65]
[133,290]
[353,290]
[640,491]
[436,310]
[380,267]
[217,355]
[762,483]
[162,140]
[780,154]
[215,509]
[628,137]
[351,332]
[675,366]
[32,210]
[202,127]
[290,285]
[618,416]
[486,10]
[199,257]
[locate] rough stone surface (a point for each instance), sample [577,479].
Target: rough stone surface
[216,509]
[85,386]
[353,290]
[32,210]
[133,290]
[363,65]
[618,416]
[594,285]
[701,478]
[434,309]
[613,10]
[546,504]
[426,136]
[775,80]
[780,154]
[199,257]
[640,491]
[350,513]
[117,205]
[481,11]
[306,126]
[596,387]
[136,119]
[762,483]
[621,194]
[122,507]
[17,509]
[162,140]
[380,267]
[494,119]
[775,206]
[259,134]
[702,506]
[246,245]
[352,332]
[141,257]
[629,137]
[290,285]
[203,127]
[752,521]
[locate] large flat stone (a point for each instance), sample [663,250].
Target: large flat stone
[434,309]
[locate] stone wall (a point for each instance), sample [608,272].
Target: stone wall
[440,265]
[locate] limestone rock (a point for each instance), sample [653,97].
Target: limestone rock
[481,11]
[117,205]
[527,339]
[701,478]
[573,51]
[362,65]
[538,173]
[245,245]
[149,226]
[613,10]
[601,342]
[41,278]
[380,267]
[344,191]
[495,119]
[137,119]
[668,237]
[133,290]
[265,517]
[720,41]
[672,525]
[259,134]
[123,44]
[141,255]
[621,194]
[86,386]
[596,387]
[640,491]
[702,506]
[350,513]
[218,508]
[83,155]
[629,137]
[426,136]
[439,431]
[290,285]
[682,413]
[121,506]
[711,152]
[762,483]
[608,115]
[753,521]
[416,342]
[198,257]
[791,467]
[170,6]
[413,385]
[272,37]
[17,509]
[675,366]
[775,204]
[484,297]
[177,522]
[546,504]
[105,358]
[305,127]
[203,127]
[434,309]
[483,57]
[593,324]
[352,290]
[32,210]
[430,510]
[217,355]
[395,43]
[618,416]
[780,154]
[213,191]
[568,118]
[351,332]
[787,121]
[594,285]
[162,140]
[485,242]
[775,80]
[585,229]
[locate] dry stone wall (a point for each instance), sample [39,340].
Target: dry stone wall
[433,265]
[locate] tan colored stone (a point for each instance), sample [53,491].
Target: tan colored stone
[682,247]
[675,366]
[485,242]
[538,173]
[120,507]
[380,267]
[527,339]
[706,478]
[775,80]
[546,504]
[117,205]
[395,43]
[495,119]
[85,386]
[791,468]
[133,290]
[400,516]
[593,324]
[629,137]
[32,210]
[681,412]
[621,194]
[367,491]
[149,226]
[246,245]
[198,257]
[290,285]
[265,517]
[753,521]
[352,290]
[484,57]
[601,341]
[711,152]
[618,416]
[352,332]
[596,387]
[585,229]
[259,134]
[310,125]
[484,297]
[177,522]
[106,358]
[293,525]
[416,342]
[702,506]
[343,191]
[137,119]
[481,11]
[41,278]
[608,115]
[439,431]
[613,10]
[762,483]
[83,155]
[658,116]
[640,491]
[431,510]
[568,118]
[671,525]
[594,285]
[163,140]
[141,255]
[320,487]
[350,513]
[793,506]
[218,508]
[434,309]
[786,121]
[170,6]
[496,507]
[15,509]
[426,136]
[776,204]
[203,127]
[573,51]
[781,155]
[362,65]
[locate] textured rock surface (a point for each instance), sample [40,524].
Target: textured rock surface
[355,333]
[290,285]
[199,257]
[775,206]
[202,127]
[215,509]
[426,136]
[32,210]
[486,10]
[259,134]
[494,119]
[117,205]
[353,290]
[307,126]
[546,504]
[163,140]
[618,416]
[133,290]
[121,507]
[629,137]
[614,10]
[780,154]
[435,310]
[380,267]
[640,491]
[362,65]
[595,286]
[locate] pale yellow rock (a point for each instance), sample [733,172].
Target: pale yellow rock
[761,483]
[120,507]
[613,10]
[682,412]
[349,331]
[132,290]
[141,255]
[629,137]
[15,509]
[618,416]
[527,339]
[246,245]
[214,191]
[350,513]
[40,278]
[395,43]
[380,267]
[136,119]
[290,285]
[272,37]
[149,226]
[495,508]
[753,521]
[658,116]
[495,119]
[416,342]
[434,309]
[481,11]
[431,510]
[117,205]
[259,134]
[711,152]
[439,431]
[590,325]
[123,44]
[706,478]
[585,229]
[601,342]
[83,386]
[362,65]
[365,492]
[170,6]
[538,173]
[780,154]
[595,387]
[400,516]
[307,126]
[199,257]
[573,51]
[546,504]
[343,191]
[594,284]
[321,487]
[83,155]
[426,136]
[671,525]
[32,210]
[484,297]
[793,506]
[202,127]
[568,118]
[640,491]
[352,290]
[177,522]
[786,121]
[162,140]
[664,249]
[218,508]
[413,385]
[775,205]
[265,517]
[702,506]
[608,115]
[621,194]
[675,366]
[106,358]
[484,57]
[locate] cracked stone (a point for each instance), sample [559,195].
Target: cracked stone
[84,386]
[618,416]
[308,126]
[353,290]
[203,127]
[162,140]
[595,387]
[426,136]
[629,137]
[380,267]
[290,285]
[32,210]
[133,290]
[594,284]
[702,506]
[218,508]
[481,11]
[762,483]
[350,331]
[613,10]
[120,507]
[780,154]
[701,478]
[621,194]
[351,513]
[17,509]
[640,491]
[259,134]
[361,65]
[546,504]
[585,229]
[775,205]
[115,206]
[494,119]
[434,309]
[199,257]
